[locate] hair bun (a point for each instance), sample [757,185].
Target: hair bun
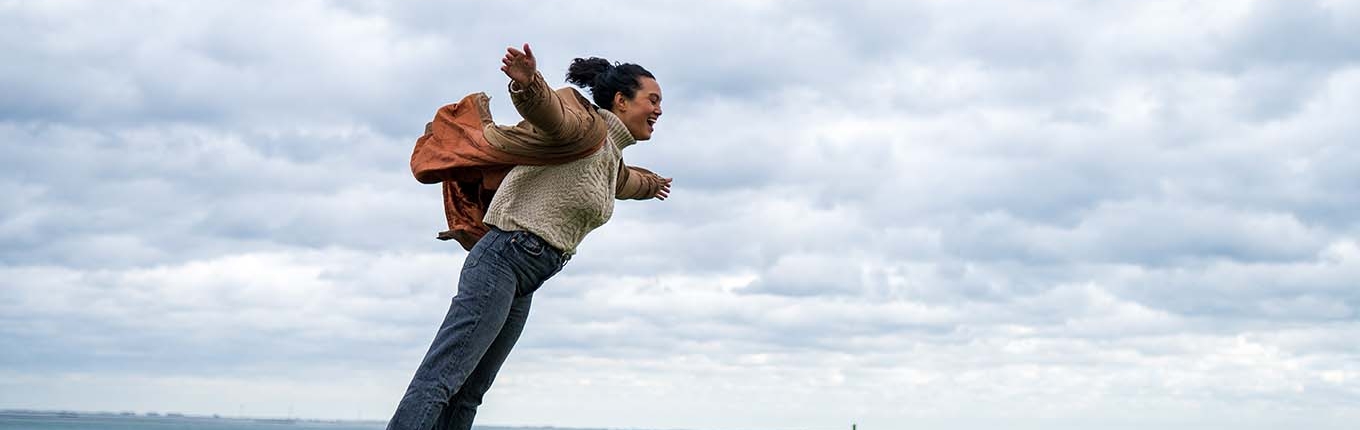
[586,72]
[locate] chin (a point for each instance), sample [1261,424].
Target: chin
[641,133]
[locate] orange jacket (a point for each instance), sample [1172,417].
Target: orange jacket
[455,152]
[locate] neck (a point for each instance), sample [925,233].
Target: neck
[617,131]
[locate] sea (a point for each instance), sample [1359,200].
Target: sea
[43,420]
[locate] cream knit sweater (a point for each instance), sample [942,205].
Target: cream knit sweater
[563,202]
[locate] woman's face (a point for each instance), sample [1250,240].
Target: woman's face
[640,113]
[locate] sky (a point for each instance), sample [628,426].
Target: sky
[924,214]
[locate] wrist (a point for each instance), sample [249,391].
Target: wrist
[528,85]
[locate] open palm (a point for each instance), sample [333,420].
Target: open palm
[520,66]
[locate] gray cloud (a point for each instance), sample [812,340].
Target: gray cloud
[1309,33]
[1058,211]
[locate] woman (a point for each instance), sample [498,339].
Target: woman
[537,218]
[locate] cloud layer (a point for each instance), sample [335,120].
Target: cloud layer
[935,214]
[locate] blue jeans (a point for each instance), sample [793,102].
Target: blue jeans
[495,288]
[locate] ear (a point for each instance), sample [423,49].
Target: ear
[619,99]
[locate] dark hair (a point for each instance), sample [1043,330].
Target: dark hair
[604,79]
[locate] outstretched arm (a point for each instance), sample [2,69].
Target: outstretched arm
[561,120]
[636,183]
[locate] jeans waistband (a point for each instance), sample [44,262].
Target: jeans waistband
[546,245]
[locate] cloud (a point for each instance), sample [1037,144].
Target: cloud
[1312,33]
[883,212]
[243,314]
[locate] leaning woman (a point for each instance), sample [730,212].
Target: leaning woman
[538,216]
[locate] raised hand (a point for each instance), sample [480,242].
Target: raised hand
[520,66]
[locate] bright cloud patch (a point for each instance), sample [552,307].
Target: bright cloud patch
[920,214]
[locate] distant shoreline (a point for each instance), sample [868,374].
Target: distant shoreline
[151,415]
[48,413]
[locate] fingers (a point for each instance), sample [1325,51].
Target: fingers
[511,52]
[518,58]
[512,56]
[665,190]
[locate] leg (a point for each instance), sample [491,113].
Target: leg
[463,407]
[537,262]
[486,292]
